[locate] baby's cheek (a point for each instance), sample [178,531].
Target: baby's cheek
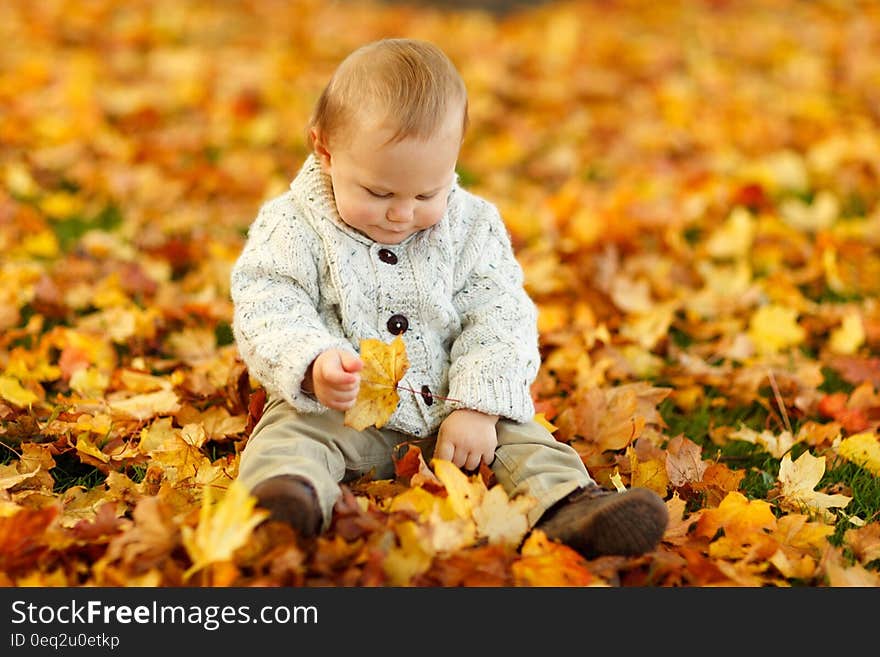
[355,214]
[432,214]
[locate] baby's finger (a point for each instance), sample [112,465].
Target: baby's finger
[340,404]
[473,461]
[444,451]
[343,396]
[339,377]
[350,362]
[351,387]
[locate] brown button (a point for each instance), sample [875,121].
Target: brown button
[388,257]
[427,396]
[397,324]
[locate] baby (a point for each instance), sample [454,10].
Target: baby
[375,239]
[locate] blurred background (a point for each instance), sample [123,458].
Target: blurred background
[148,132]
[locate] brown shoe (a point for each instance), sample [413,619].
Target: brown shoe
[290,499]
[598,522]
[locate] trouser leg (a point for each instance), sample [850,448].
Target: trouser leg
[530,461]
[317,447]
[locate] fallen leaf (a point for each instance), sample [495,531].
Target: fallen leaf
[548,563]
[222,528]
[799,478]
[863,449]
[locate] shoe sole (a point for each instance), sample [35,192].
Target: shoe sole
[609,536]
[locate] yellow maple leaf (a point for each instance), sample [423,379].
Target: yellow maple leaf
[85,445]
[384,366]
[89,382]
[648,327]
[223,527]
[738,516]
[774,328]
[43,244]
[863,449]
[11,390]
[798,480]
[650,473]
[548,563]
[407,560]
[441,528]
[462,494]
[849,336]
[503,520]
[418,500]
[734,237]
[494,514]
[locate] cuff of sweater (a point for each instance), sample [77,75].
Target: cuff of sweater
[495,396]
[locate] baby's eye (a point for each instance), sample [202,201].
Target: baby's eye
[377,194]
[426,197]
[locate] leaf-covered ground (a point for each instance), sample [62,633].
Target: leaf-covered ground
[693,189]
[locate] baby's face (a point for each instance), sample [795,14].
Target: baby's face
[389,191]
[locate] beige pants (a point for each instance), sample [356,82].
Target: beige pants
[321,449]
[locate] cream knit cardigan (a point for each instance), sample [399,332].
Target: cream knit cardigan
[306,282]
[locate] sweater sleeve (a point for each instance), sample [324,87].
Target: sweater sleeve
[495,358]
[274,286]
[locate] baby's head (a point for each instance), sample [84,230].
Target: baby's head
[407,86]
[387,129]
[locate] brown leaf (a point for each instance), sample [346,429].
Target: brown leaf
[857,369]
[685,461]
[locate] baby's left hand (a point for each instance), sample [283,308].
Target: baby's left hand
[466,437]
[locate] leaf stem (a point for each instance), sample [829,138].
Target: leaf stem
[415,392]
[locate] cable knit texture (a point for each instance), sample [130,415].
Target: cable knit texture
[306,282]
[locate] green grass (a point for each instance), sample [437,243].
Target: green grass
[697,423]
[223,334]
[69,472]
[833,382]
[68,231]
[862,486]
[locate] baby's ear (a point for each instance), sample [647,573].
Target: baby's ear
[320,147]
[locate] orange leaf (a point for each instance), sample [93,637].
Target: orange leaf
[21,537]
[547,563]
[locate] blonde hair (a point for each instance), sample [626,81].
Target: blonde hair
[410,85]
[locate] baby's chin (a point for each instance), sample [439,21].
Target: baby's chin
[387,236]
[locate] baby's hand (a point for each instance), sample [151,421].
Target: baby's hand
[466,437]
[334,378]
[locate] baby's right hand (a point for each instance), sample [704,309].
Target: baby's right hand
[335,378]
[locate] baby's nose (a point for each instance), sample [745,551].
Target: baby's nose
[399,213]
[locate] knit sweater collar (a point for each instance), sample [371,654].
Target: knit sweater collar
[315,188]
